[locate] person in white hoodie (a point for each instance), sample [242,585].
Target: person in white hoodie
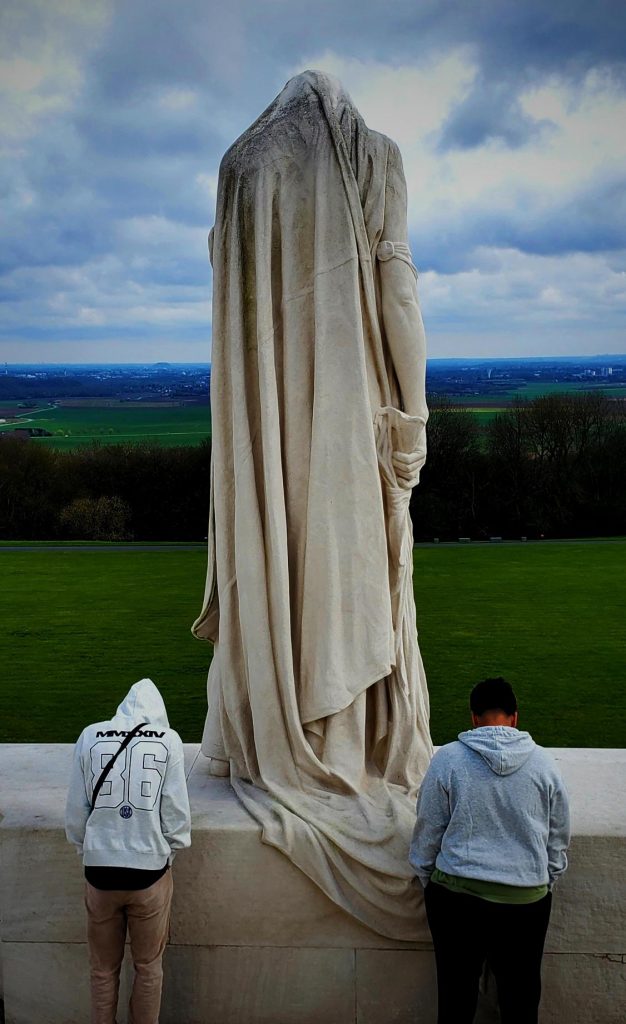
[489,843]
[127,837]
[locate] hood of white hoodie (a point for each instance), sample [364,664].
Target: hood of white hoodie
[504,749]
[142,703]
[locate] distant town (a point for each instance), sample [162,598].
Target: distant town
[160,382]
[482,381]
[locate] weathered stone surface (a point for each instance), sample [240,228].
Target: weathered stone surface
[41,888]
[400,987]
[48,983]
[45,982]
[589,909]
[397,986]
[227,985]
[583,989]
[256,895]
[589,906]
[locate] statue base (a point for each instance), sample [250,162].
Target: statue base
[254,940]
[217,768]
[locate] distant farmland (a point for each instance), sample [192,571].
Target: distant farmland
[78,424]
[485,407]
[74,423]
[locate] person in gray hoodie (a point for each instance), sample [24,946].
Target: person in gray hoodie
[127,829]
[489,843]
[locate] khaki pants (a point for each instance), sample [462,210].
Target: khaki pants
[146,912]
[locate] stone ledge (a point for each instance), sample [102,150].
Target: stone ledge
[231,908]
[241,909]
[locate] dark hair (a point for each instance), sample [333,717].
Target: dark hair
[493,695]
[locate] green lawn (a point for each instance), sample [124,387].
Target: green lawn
[78,628]
[75,427]
[551,618]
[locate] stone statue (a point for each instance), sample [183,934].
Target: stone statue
[318,706]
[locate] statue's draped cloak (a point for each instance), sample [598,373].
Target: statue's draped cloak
[317,695]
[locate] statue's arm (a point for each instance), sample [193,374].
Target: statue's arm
[402,319]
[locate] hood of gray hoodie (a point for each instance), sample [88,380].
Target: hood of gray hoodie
[142,703]
[504,749]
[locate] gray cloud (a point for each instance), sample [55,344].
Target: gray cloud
[492,111]
[107,184]
[585,222]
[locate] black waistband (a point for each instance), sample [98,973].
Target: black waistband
[123,879]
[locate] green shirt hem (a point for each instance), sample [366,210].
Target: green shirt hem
[495,892]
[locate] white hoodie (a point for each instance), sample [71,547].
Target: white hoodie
[142,811]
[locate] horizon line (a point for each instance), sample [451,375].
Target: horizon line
[431,359]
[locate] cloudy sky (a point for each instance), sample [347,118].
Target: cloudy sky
[511,117]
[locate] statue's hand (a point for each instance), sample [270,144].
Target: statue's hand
[408,465]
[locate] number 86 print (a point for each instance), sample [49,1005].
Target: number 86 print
[136,779]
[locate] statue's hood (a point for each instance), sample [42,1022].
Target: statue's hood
[322,84]
[331,92]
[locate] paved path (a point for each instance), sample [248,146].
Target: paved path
[102,547]
[199,546]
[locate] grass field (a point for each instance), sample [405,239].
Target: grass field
[484,416]
[188,425]
[567,387]
[485,408]
[75,427]
[78,628]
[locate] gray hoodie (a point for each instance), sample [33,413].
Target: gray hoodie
[142,811]
[492,806]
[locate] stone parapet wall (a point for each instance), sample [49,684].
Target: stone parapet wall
[253,941]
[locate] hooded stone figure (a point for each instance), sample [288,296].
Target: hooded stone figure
[318,707]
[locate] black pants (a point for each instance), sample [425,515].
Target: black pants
[467,931]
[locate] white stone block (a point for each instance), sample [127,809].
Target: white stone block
[41,887]
[400,987]
[46,983]
[258,985]
[232,889]
[589,903]
[395,987]
[583,989]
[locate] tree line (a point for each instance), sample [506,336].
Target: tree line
[103,492]
[552,467]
